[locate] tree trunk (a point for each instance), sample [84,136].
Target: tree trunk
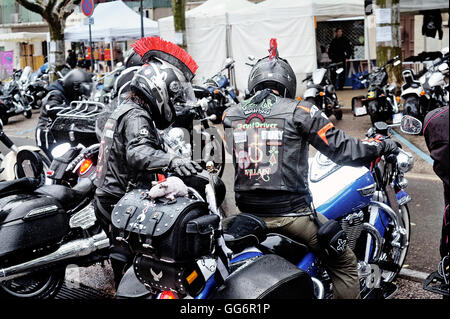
[179,20]
[56,52]
[388,49]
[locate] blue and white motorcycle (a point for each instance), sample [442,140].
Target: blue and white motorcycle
[371,206]
[369,203]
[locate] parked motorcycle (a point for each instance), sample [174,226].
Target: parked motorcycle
[76,124]
[104,85]
[218,91]
[35,89]
[380,102]
[21,161]
[321,92]
[45,229]
[12,101]
[426,90]
[268,265]
[199,140]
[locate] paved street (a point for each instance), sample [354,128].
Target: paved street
[424,188]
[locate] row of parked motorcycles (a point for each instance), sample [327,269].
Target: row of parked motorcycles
[420,93]
[47,218]
[23,93]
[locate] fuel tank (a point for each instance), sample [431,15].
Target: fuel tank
[338,190]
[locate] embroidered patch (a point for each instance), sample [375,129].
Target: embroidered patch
[322,132]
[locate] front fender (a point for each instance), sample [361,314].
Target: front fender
[411,91]
[311,92]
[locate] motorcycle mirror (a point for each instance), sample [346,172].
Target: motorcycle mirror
[397,62]
[60,150]
[339,71]
[410,125]
[228,62]
[119,64]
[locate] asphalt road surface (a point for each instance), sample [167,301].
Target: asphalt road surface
[424,188]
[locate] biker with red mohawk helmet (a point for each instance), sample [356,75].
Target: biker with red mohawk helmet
[132,153]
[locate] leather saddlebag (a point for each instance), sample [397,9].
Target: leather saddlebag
[267,277]
[168,237]
[174,231]
[29,221]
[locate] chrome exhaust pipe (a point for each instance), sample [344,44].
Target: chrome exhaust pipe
[73,249]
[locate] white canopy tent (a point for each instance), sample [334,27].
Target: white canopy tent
[207,34]
[237,28]
[113,21]
[291,23]
[408,6]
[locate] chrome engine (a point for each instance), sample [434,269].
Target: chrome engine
[353,225]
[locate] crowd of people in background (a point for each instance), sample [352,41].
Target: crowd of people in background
[80,57]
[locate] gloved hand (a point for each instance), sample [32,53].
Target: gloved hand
[389,147]
[184,167]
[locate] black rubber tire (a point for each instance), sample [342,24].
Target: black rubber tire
[48,286]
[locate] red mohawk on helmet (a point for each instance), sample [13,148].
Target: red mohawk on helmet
[156,47]
[273,49]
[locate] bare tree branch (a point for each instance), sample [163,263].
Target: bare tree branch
[32,5]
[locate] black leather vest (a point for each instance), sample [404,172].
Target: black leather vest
[268,151]
[108,137]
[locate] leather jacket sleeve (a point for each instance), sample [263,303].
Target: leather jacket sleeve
[142,144]
[54,103]
[341,148]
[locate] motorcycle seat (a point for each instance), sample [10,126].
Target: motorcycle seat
[243,230]
[25,184]
[68,197]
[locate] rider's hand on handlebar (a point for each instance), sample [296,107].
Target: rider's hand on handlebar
[184,167]
[389,147]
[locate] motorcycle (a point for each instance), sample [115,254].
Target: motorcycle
[321,92]
[380,102]
[105,84]
[218,91]
[426,90]
[12,102]
[35,89]
[44,229]
[21,161]
[265,265]
[196,137]
[77,123]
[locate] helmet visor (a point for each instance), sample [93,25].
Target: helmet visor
[185,94]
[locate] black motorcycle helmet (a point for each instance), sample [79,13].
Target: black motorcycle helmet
[164,79]
[275,74]
[132,59]
[77,83]
[160,85]
[122,83]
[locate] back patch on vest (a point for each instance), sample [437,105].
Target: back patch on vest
[258,149]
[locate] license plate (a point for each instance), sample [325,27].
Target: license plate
[360,110]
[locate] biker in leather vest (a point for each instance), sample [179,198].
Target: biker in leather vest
[131,151]
[269,136]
